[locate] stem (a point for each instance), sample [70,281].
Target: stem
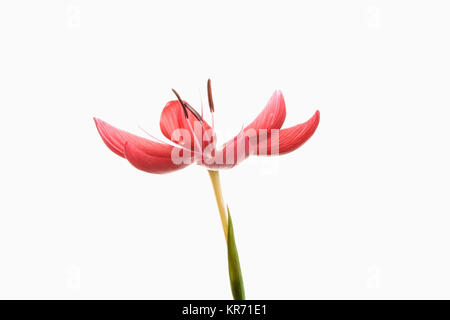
[215,180]
[234,267]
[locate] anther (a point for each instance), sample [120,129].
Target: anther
[210,99]
[182,103]
[187,106]
[194,112]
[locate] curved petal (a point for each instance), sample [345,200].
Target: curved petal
[157,154]
[291,138]
[148,163]
[115,139]
[275,143]
[273,115]
[271,118]
[173,119]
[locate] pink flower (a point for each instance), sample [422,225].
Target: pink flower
[193,140]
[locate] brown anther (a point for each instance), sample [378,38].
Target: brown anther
[210,99]
[187,106]
[194,112]
[182,103]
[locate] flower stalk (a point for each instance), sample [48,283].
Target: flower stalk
[234,267]
[215,180]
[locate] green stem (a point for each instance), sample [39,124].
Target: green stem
[234,268]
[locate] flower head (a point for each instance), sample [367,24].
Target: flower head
[193,140]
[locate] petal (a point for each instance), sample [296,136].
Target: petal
[291,138]
[243,145]
[246,143]
[115,139]
[104,130]
[155,153]
[148,163]
[173,119]
[273,115]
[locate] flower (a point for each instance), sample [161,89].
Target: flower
[193,140]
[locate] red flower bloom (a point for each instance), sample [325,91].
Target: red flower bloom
[194,139]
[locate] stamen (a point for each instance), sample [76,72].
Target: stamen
[150,135]
[182,103]
[210,99]
[173,144]
[185,106]
[194,112]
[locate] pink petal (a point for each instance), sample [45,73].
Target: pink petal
[293,137]
[273,115]
[172,119]
[156,154]
[243,145]
[148,163]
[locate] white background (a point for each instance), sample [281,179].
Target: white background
[360,211]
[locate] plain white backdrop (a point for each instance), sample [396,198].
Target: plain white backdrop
[360,211]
